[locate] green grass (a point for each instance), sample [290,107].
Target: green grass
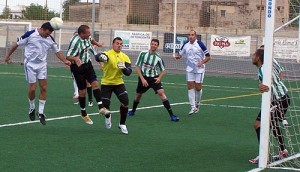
[219,138]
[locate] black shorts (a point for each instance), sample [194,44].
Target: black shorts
[118,90]
[278,109]
[83,73]
[151,84]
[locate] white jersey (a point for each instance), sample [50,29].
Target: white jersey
[194,53]
[36,47]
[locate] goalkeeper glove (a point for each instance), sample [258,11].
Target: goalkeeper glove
[101,57]
[121,65]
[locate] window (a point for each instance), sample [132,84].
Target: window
[223,13]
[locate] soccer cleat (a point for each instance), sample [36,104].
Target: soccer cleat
[174,118]
[87,119]
[90,104]
[108,122]
[123,128]
[281,155]
[130,113]
[104,111]
[193,110]
[31,114]
[285,123]
[254,161]
[42,118]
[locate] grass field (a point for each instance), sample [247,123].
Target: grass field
[218,138]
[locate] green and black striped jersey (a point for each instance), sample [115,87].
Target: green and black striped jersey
[150,63]
[277,86]
[83,48]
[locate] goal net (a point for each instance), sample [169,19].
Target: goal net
[280,131]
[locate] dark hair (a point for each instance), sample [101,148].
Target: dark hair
[117,38]
[82,29]
[260,53]
[262,46]
[193,31]
[47,26]
[155,40]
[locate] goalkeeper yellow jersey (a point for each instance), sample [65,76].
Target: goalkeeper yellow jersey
[112,75]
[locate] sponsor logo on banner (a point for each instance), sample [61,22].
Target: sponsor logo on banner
[180,40]
[134,40]
[230,46]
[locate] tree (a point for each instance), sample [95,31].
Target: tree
[38,12]
[66,8]
[5,13]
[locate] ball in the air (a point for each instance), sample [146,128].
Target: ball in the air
[56,23]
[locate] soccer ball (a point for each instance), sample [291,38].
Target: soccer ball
[56,23]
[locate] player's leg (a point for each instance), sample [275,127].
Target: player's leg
[41,73]
[106,92]
[121,93]
[256,126]
[31,79]
[198,88]
[90,93]
[165,102]
[140,89]
[191,91]
[284,104]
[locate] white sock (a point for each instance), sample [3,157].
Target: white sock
[198,95]
[191,94]
[75,88]
[41,106]
[31,103]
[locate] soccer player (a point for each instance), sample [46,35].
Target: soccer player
[279,104]
[37,44]
[80,51]
[115,64]
[197,56]
[280,72]
[146,66]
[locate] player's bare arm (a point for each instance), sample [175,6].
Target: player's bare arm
[159,78]
[62,58]
[139,72]
[263,88]
[74,59]
[11,50]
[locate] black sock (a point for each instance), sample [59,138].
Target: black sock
[168,106]
[134,106]
[123,114]
[82,106]
[258,133]
[97,95]
[90,93]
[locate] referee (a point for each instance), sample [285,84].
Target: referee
[146,66]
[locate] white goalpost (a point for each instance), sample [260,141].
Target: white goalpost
[269,146]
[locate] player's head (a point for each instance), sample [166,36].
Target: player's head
[258,57]
[154,45]
[262,47]
[45,30]
[84,32]
[192,36]
[117,44]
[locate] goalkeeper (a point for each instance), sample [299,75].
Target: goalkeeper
[115,65]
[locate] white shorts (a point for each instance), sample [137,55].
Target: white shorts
[197,77]
[34,72]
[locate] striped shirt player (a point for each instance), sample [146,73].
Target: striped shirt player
[147,66]
[37,43]
[279,103]
[80,51]
[196,55]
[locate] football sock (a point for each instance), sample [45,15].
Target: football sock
[198,95]
[123,114]
[191,94]
[258,133]
[82,105]
[90,93]
[31,104]
[277,133]
[167,105]
[41,106]
[97,95]
[134,106]
[75,88]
